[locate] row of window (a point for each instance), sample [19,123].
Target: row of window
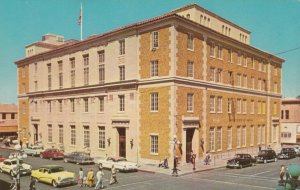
[285,114]
[4,116]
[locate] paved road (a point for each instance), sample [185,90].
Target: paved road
[261,176]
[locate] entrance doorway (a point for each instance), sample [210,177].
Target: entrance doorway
[122,142]
[36,132]
[189,144]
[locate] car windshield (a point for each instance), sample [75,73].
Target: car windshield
[58,169]
[262,152]
[83,154]
[15,162]
[237,156]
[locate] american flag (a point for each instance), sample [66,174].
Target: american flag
[80,16]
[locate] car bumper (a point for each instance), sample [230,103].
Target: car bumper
[69,181]
[25,172]
[128,169]
[232,165]
[86,162]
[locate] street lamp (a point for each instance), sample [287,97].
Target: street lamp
[18,156]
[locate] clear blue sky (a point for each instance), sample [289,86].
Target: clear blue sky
[274,24]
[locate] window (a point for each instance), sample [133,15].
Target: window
[219,106]
[287,114]
[35,68]
[212,104]
[282,114]
[49,76]
[101,56]
[229,105]
[60,74]
[190,42]
[251,135]
[72,105]
[239,62]
[252,82]
[86,136]
[275,71]
[190,102]
[122,47]
[229,57]
[60,105]
[230,78]
[60,134]
[219,75]
[252,107]
[252,63]
[258,134]
[50,133]
[212,74]
[263,134]
[153,144]
[264,67]
[220,56]
[245,60]
[101,104]
[49,106]
[275,87]
[238,137]
[238,106]
[244,107]
[35,106]
[219,138]
[190,69]
[274,135]
[259,84]
[263,86]
[259,66]
[245,81]
[275,108]
[122,72]
[72,71]
[35,86]
[86,69]
[259,107]
[229,137]
[86,104]
[121,103]
[154,102]
[238,80]
[244,136]
[212,139]
[12,116]
[155,39]
[73,135]
[154,68]
[101,137]
[212,49]
[101,73]
[3,116]
[263,107]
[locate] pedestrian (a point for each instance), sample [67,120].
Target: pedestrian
[99,176]
[32,184]
[207,158]
[21,143]
[175,170]
[84,181]
[90,178]
[287,174]
[80,177]
[282,171]
[27,143]
[113,177]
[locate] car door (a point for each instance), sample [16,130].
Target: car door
[247,159]
[6,166]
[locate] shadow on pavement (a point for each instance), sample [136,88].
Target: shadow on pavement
[4,185]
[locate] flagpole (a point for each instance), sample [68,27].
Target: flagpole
[81,21]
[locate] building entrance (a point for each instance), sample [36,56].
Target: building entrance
[189,144]
[36,133]
[122,142]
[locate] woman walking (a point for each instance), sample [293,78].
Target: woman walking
[80,177]
[113,178]
[90,178]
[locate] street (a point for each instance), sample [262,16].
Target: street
[261,176]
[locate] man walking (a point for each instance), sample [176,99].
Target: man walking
[99,176]
[282,172]
[113,177]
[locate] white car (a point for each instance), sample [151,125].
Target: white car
[33,150]
[120,164]
[10,166]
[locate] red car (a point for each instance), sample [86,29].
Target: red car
[52,153]
[2,158]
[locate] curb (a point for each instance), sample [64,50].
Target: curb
[146,171]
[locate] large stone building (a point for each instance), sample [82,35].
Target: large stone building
[290,121]
[8,120]
[188,76]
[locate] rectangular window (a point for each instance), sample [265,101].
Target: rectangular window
[229,58]
[86,104]
[190,102]
[229,137]
[230,78]
[86,69]
[212,139]
[122,47]
[219,75]
[35,86]
[239,62]
[274,135]
[101,104]
[190,69]
[245,60]
[101,137]
[287,114]
[86,136]
[245,81]
[101,56]
[212,104]
[60,105]
[60,74]
[60,134]
[238,137]
[252,83]
[252,107]
[259,107]
[238,80]
[275,71]
[259,66]
[212,74]
[50,133]
[101,73]
[219,138]
[282,114]
[49,106]
[275,87]
[154,102]
[263,134]
[190,41]
[219,106]
[238,106]
[264,87]
[49,76]
[275,108]
[73,135]
[72,71]
[12,116]
[154,68]
[153,144]
[212,49]
[72,105]
[121,103]
[122,72]
[154,39]
[3,116]
[263,108]
[35,68]
[229,105]
[252,135]
[244,136]
[258,134]
[244,107]
[220,55]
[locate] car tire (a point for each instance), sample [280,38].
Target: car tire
[66,160]
[54,184]
[265,161]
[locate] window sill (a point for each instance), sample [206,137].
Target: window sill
[192,50]
[154,154]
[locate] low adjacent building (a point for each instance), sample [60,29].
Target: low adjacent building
[8,120]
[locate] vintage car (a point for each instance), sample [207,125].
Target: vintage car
[266,156]
[33,150]
[52,153]
[53,174]
[10,166]
[79,158]
[120,164]
[2,158]
[240,161]
[287,153]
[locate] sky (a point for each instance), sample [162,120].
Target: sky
[274,26]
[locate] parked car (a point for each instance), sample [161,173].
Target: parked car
[120,164]
[10,166]
[79,158]
[2,158]
[297,150]
[33,150]
[52,153]
[54,175]
[287,153]
[240,161]
[266,156]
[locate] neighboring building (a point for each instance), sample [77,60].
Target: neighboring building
[8,120]
[290,121]
[188,74]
